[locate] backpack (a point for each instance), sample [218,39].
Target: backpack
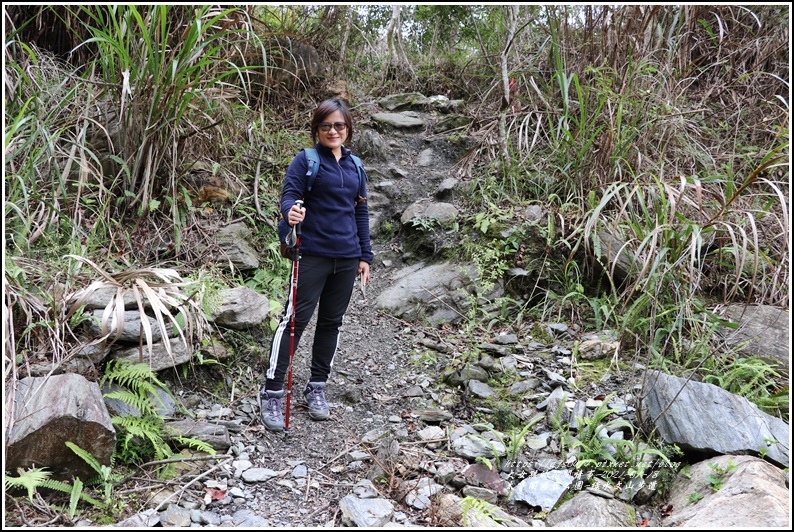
[313,165]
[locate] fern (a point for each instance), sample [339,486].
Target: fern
[38,478]
[77,491]
[86,456]
[517,438]
[135,400]
[138,377]
[104,476]
[614,458]
[29,480]
[474,507]
[149,433]
[142,437]
[139,383]
[195,443]
[65,487]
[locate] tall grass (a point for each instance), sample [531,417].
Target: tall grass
[681,200]
[48,166]
[686,250]
[114,137]
[167,72]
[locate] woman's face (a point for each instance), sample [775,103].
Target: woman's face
[332,138]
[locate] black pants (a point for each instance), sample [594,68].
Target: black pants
[329,282]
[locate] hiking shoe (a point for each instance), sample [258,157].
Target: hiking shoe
[270,408]
[315,396]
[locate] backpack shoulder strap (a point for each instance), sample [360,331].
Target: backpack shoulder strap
[360,171]
[313,161]
[359,165]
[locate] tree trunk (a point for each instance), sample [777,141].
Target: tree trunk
[398,61]
[511,12]
[339,67]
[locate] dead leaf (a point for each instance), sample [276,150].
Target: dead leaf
[216,494]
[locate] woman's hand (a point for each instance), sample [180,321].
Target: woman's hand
[296,214]
[363,272]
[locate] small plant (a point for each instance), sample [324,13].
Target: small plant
[540,333]
[475,510]
[589,445]
[768,442]
[105,474]
[752,378]
[516,438]
[39,478]
[717,479]
[423,224]
[426,358]
[616,459]
[695,497]
[486,461]
[492,255]
[388,231]
[504,417]
[265,281]
[494,217]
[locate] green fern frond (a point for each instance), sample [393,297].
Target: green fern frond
[139,426]
[68,488]
[30,480]
[86,456]
[104,476]
[148,428]
[141,437]
[142,403]
[34,479]
[473,507]
[196,444]
[77,491]
[130,375]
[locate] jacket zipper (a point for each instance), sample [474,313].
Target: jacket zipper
[341,174]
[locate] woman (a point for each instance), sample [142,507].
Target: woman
[335,248]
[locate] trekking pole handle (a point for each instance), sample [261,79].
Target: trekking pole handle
[299,203]
[295,230]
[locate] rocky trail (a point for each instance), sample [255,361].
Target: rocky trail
[384,391]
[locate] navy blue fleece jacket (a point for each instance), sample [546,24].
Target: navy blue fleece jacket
[335,225]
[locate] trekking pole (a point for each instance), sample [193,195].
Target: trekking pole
[295,237]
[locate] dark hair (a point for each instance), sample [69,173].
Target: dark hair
[326,108]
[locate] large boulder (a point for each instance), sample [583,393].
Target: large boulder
[591,511]
[704,418]
[730,491]
[239,308]
[50,411]
[437,292]
[161,357]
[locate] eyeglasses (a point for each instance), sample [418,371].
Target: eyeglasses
[339,126]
